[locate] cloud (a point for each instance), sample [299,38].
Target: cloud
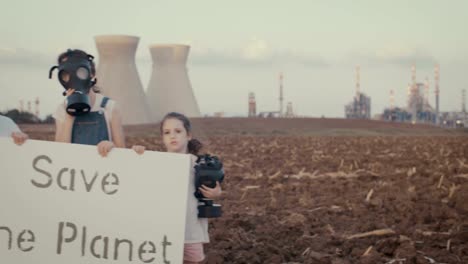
[394,56]
[255,53]
[405,56]
[256,49]
[25,58]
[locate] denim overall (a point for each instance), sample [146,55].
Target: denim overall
[91,128]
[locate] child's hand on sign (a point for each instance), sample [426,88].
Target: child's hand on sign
[104,147]
[138,149]
[19,138]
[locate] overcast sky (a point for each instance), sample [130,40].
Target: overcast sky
[240,46]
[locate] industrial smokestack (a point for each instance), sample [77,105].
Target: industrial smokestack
[118,77]
[37,102]
[436,87]
[426,94]
[252,105]
[281,93]
[289,110]
[413,95]
[169,88]
[463,101]
[408,96]
[358,82]
[392,100]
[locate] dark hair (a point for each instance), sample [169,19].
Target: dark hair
[80,54]
[194,145]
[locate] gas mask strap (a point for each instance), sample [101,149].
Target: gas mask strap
[51,70]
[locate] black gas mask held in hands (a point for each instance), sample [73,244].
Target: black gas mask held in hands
[76,71]
[208,171]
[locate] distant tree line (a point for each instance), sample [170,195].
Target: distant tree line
[22,117]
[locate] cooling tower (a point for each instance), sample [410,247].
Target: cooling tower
[118,77]
[169,88]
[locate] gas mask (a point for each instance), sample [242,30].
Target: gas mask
[208,171]
[75,71]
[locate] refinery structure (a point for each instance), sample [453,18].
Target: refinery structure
[458,118]
[418,109]
[360,106]
[252,105]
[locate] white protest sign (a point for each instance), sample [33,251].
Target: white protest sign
[63,203]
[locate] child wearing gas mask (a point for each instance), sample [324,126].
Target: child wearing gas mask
[176,133]
[86,117]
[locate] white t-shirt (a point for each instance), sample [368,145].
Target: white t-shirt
[196,229]
[7,126]
[60,113]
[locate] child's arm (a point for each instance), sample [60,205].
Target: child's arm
[63,129]
[118,136]
[64,126]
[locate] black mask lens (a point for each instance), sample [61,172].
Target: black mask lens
[64,76]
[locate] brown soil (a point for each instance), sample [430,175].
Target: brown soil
[332,191]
